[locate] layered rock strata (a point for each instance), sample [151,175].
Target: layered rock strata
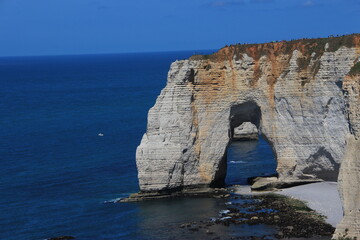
[246,131]
[349,178]
[300,94]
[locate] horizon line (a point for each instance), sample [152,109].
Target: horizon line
[186,50]
[105,53]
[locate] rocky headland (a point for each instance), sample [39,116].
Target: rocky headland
[302,96]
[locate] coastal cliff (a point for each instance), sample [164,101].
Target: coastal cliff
[349,178]
[302,95]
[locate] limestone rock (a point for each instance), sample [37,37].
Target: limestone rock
[292,91]
[246,131]
[349,178]
[263,183]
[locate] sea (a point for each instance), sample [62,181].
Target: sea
[69,128]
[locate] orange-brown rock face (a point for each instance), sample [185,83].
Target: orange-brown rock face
[292,91]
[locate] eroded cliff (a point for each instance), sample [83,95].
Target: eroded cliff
[349,178]
[302,95]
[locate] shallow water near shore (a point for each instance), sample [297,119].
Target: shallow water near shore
[70,128]
[249,159]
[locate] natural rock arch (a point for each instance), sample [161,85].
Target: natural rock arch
[247,117]
[307,114]
[188,128]
[248,111]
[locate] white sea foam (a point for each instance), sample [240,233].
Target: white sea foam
[113,200]
[213,219]
[223,212]
[236,162]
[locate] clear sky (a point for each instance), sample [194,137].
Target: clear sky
[53,27]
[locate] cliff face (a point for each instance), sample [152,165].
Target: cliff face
[299,94]
[349,178]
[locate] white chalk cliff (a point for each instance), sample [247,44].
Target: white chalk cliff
[303,95]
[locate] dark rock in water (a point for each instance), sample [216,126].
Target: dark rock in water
[291,217]
[209,232]
[194,228]
[191,192]
[61,238]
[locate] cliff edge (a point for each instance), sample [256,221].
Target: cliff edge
[302,95]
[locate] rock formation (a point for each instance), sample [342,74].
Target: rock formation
[246,131]
[303,95]
[349,178]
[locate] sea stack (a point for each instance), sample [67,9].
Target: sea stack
[302,95]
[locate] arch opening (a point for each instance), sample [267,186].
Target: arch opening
[249,153]
[248,159]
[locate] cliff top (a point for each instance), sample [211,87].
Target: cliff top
[305,46]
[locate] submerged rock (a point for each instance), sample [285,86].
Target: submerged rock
[191,192]
[62,238]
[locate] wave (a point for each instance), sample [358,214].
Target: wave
[236,162]
[223,212]
[116,200]
[113,200]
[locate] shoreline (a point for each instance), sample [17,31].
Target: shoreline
[302,212]
[322,197]
[290,218]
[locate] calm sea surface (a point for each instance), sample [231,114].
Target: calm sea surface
[58,176]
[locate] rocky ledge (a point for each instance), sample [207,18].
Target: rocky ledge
[273,183]
[191,192]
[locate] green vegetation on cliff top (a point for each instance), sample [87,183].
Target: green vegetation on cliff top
[355,70]
[306,46]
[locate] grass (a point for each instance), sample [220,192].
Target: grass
[355,69]
[306,46]
[298,205]
[294,203]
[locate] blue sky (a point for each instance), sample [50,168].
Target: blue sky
[53,27]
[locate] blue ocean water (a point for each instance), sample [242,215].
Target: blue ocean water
[249,159]
[57,174]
